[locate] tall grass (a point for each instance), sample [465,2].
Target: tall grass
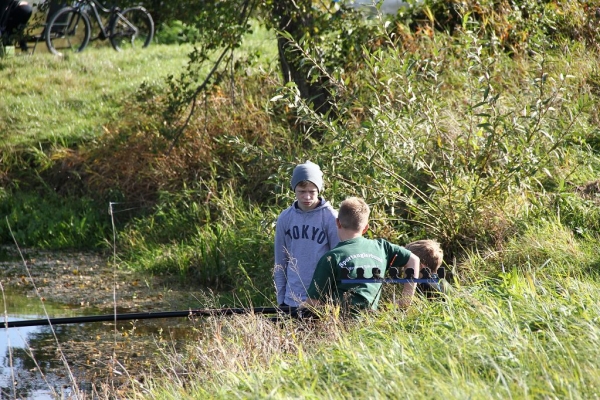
[225,246]
[521,323]
[519,337]
[448,136]
[485,151]
[53,222]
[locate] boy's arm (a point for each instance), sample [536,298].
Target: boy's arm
[279,271]
[311,303]
[320,284]
[409,288]
[332,231]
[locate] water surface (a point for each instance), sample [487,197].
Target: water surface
[49,362]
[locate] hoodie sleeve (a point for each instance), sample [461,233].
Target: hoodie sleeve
[279,271]
[331,227]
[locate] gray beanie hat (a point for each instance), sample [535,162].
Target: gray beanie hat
[308,171]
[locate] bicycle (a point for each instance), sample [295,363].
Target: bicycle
[70,28]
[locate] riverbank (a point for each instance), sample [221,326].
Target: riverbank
[93,358]
[90,280]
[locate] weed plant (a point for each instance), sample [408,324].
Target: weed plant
[446,135]
[521,335]
[227,248]
[488,153]
[52,221]
[528,332]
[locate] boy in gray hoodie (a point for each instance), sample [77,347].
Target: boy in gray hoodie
[304,232]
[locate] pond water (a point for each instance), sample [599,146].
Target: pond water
[50,362]
[45,362]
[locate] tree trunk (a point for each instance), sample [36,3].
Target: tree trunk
[295,18]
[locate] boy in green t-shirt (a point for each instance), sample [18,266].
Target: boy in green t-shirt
[352,252]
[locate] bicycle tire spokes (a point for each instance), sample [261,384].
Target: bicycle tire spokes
[131,28]
[68,31]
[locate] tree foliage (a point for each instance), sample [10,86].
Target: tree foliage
[319,41]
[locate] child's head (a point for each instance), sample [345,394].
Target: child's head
[307,172]
[354,214]
[307,195]
[429,251]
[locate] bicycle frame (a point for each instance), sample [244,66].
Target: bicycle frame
[95,5]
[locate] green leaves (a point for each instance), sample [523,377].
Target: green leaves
[52,222]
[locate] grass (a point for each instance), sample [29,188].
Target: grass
[68,100]
[524,311]
[57,112]
[520,338]
[54,222]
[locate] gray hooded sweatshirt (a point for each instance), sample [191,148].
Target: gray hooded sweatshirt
[301,238]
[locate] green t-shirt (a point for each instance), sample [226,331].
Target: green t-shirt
[355,253]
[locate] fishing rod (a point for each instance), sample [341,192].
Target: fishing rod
[391,277]
[151,315]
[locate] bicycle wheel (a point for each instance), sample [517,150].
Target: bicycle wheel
[132,28]
[69,30]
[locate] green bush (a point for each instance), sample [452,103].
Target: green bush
[440,145]
[176,32]
[49,221]
[223,244]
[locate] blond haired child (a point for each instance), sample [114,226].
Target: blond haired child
[353,252]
